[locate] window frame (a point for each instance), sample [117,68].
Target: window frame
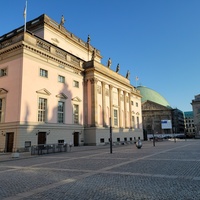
[61,79]
[115,117]
[61,113]
[42,112]
[75,83]
[76,115]
[1,110]
[3,72]
[43,73]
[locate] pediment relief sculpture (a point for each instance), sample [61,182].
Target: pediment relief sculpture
[76,99]
[3,91]
[62,96]
[43,91]
[55,40]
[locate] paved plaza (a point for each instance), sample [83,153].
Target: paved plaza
[167,171]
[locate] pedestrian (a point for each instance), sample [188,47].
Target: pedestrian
[70,145]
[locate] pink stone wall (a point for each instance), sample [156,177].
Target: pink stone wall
[12,83]
[33,82]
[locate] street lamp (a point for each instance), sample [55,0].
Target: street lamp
[153,133]
[110,135]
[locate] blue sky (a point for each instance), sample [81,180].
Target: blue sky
[157,40]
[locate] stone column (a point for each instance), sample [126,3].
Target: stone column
[103,103]
[130,111]
[94,108]
[120,109]
[111,102]
[85,102]
[125,110]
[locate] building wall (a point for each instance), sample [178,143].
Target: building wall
[34,86]
[12,83]
[100,92]
[196,111]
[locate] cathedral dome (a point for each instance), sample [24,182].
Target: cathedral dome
[151,95]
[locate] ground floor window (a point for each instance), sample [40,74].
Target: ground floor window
[1,109]
[61,112]
[76,114]
[102,140]
[42,107]
[115,118]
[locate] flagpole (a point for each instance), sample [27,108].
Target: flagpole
[25,11]
[136,80]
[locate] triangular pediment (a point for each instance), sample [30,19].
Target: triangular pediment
[62,96]
[76,99]
[3,91]
[43,91]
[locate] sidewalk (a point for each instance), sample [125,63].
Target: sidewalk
[26,155]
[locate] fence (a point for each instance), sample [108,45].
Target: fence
[48,148]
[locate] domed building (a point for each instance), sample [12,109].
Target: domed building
[151,95]
[156,110]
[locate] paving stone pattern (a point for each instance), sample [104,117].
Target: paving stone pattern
[167,171]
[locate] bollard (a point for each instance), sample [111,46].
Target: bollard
[138,144]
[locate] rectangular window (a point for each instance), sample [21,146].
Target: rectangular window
[115,118]
[76,84]
[27,144]
[1,109]
[133,122]
[138,122]
[136,104]
[61,79]
[101,140]
[42,108]
[76,114]
[61,112]
[43,73]
[132,103]
[3,72]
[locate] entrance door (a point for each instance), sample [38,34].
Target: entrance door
[42,138]
[76,138]
[9,142]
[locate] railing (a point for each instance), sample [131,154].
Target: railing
[48,148]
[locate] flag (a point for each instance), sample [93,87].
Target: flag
[25,12]
[136,78]
[25,8]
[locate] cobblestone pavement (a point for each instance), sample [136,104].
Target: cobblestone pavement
[167,171]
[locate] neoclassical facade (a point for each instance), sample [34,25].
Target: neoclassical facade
[54,89]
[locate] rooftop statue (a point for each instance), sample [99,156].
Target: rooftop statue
[62,22]
[109,62]
[94,54]
[117,69]
[128,74]
[88,39]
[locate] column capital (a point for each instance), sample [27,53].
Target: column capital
[93,80]
[111,87]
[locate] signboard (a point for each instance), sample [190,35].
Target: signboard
[166,124]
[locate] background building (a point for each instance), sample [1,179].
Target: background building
[189,124]
[155,108]
[54,89]
[196,112]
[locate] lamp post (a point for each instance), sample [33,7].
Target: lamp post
[153,133]
[174,130]
[110,135]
